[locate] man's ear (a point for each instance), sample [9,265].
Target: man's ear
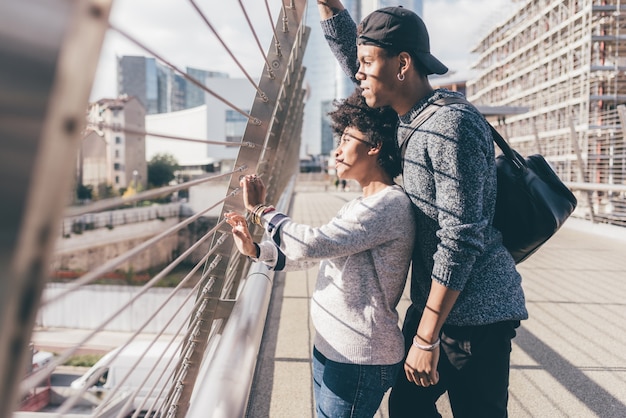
[405,60]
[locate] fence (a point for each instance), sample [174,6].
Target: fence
[602,168]
[219,303]
[59,89]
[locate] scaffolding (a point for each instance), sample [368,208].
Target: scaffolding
[565,62]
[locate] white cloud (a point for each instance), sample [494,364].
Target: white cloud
[173,29]
[455,27]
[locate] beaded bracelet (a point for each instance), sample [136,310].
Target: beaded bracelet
[429,347]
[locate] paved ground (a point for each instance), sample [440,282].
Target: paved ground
[568,360]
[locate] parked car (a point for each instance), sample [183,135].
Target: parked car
[124,371]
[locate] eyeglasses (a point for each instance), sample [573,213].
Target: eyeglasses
[346,137]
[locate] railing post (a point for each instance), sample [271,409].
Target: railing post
[536,135]
[581,166]
[621,111]
[259,131]
[50,50]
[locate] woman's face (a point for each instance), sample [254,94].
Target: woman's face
[377,75]
[352,156]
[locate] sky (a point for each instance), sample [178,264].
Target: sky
[178,33]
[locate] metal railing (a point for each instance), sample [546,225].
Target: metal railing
[215,294]
[215,312]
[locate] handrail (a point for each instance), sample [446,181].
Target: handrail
[220,392]
[596,187]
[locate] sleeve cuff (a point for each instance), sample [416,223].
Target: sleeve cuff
[268,253]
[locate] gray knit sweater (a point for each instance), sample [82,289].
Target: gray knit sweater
[450,176]
[364,254]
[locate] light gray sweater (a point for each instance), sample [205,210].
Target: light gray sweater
[364,254]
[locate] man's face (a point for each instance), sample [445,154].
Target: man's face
[377,75]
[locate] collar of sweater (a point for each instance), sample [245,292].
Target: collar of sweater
[424,102]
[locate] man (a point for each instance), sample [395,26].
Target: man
[466,294]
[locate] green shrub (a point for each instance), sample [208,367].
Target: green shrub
[83,360]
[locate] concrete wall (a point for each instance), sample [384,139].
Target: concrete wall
[89,306]
[93,248]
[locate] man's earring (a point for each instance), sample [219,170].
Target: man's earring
[400,77]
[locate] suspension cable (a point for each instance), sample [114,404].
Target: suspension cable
[37,377]
[148,194]
[219,38]
[122,258]
[276,42]
[134,40]
[267,63]
[133,131]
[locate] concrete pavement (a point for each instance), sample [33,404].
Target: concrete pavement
[568,360]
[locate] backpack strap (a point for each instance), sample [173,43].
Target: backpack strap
[423,117]
[436,105]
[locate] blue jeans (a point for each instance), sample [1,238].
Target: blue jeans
[344,390]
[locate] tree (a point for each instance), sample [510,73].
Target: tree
[161,169]
[84,192]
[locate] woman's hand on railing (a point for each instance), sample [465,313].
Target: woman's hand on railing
[241,234]
[253,191]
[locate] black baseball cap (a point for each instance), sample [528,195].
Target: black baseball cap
[400,29]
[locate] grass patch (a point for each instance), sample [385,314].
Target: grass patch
[83,360]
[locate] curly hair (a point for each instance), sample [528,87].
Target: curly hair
[377,124]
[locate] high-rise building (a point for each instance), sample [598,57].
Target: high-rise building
[137,77]
[320,82]
[561,62]
[178,92]
[164,86]
[159,88]
[194,95]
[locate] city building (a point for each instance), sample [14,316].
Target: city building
[320,82]
[159,88]
[113,150]
[172,90]
[137,76]
[214,121]
[195,95]
[565,62]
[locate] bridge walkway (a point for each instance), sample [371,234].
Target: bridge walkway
[568,358]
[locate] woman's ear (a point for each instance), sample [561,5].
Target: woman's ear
[375,149]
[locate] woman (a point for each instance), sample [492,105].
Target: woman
[363,253]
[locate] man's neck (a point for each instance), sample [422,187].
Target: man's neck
[414,92]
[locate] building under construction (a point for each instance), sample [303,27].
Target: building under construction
[561,65]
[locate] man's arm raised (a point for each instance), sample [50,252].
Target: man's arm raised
[329,8]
